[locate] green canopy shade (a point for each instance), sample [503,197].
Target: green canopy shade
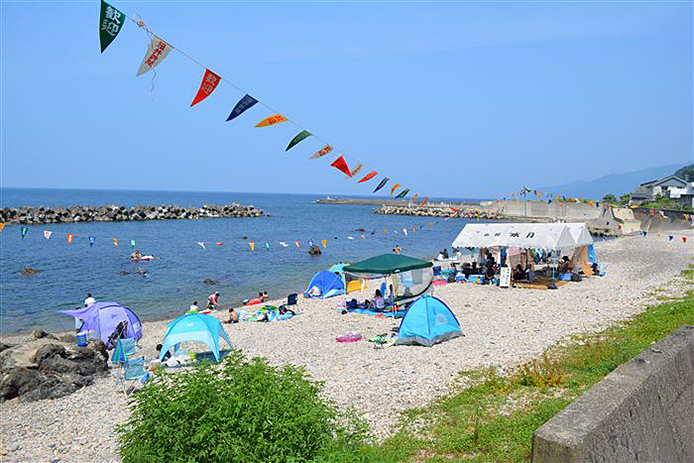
[387,264]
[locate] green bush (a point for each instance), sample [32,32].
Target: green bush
[239,411]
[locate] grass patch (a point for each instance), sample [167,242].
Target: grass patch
[494,417]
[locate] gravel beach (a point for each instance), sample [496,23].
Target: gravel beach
[503,327]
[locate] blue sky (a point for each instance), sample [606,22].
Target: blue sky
[449,99]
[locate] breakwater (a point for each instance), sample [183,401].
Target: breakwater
[39,215]
[438,211]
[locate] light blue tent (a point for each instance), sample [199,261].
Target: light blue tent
[328,284]
[428,321]
[198,327]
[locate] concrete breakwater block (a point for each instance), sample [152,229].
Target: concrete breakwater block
[37,215]
[643,411]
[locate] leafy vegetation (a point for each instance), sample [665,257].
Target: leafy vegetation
[623,200]
[686,173]
[241,411]
[661,202]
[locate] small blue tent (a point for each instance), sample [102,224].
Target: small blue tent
[428,321]
[328,284]
[198,327]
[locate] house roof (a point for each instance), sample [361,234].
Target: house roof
[671,177]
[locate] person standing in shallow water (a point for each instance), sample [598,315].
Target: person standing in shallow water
[213,301]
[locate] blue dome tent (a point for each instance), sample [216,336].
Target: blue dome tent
[198,327]
[328,285]
[428,321]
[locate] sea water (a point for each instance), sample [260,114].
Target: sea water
[175,279]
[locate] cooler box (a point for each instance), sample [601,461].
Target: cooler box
[82,338]
[476,279]
[565,277]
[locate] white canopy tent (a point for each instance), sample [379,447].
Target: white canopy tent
[516,235]
[580,234]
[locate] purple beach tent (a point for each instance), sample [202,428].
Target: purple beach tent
[102,318]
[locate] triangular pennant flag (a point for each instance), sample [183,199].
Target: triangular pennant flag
[670,238]
[244,103]
[382,184]
[350,237]
[403,193]
[310,243]
[283,244]
[209,82]
[368,176]
[2,226]
[47,234]
[24,231]
[363,236]
[414,197]
[404,230]
[341,165]
[324,243]
[110,23]
[272,120]
[322,152]
[267,245]
[356,170]
[297,139]
[684,239]
[297,244]
[70,237]
[156,52]
[115,242]
[424,201]
[200,243]
[91,241]
[395,187]
[132,243]
[431,224]
[384,231]
[219,243]
[251,245]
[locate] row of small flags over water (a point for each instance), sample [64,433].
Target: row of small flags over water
[250,246]
[111,22]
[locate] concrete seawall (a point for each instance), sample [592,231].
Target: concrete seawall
[643,411]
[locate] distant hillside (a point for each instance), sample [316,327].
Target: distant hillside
[686,173]
[617,184]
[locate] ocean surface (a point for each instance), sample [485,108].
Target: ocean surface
[175,279]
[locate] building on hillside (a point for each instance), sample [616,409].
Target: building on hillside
[671,187]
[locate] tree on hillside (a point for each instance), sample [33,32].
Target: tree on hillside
[686,173]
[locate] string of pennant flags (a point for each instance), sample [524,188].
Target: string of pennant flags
[249,246]
[111,22]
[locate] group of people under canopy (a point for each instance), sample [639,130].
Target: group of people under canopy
[531,250]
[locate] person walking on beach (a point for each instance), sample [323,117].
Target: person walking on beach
[87,302]
[213,301]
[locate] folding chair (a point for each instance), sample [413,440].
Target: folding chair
[125,348]
[291,300]
[133,370]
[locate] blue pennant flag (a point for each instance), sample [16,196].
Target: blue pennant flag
[91,241]
[244,103]
[382,184]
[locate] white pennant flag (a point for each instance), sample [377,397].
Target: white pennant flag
[156,52]
[47,234]
[404,230]
[202,245]
[350,238]
[283,244]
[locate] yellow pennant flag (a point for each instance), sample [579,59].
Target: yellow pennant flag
[431,224]
[251,245]
[115,242]
[324,243]
[395,187]
[2,226]
[384,231]
[272,120]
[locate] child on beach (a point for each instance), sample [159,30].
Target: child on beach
[233,316]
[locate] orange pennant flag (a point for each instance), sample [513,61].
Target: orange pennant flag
[395,187]
[272,120]
[424,201]
[341,165]
[115,242]
[324,243]
[70,237]
[368,176]
[209,83]
[251,245]
[415,196]
[2,225]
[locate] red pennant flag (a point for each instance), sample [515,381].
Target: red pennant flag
[220,243]
[424,201]
[455,210]
[297,244]
[209,83]
[684,239]
[341,165]
[415,196]
[70,236]
[368,176]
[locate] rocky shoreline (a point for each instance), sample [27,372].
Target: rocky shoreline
[38,215]
[435,211]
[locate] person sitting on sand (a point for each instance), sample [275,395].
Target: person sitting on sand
[474,270]
[379,302]
[564,265]
[518,273]
[167,356]
[212,301]
[233,316]
[467,270]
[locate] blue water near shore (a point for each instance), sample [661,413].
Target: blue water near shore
[175,279]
